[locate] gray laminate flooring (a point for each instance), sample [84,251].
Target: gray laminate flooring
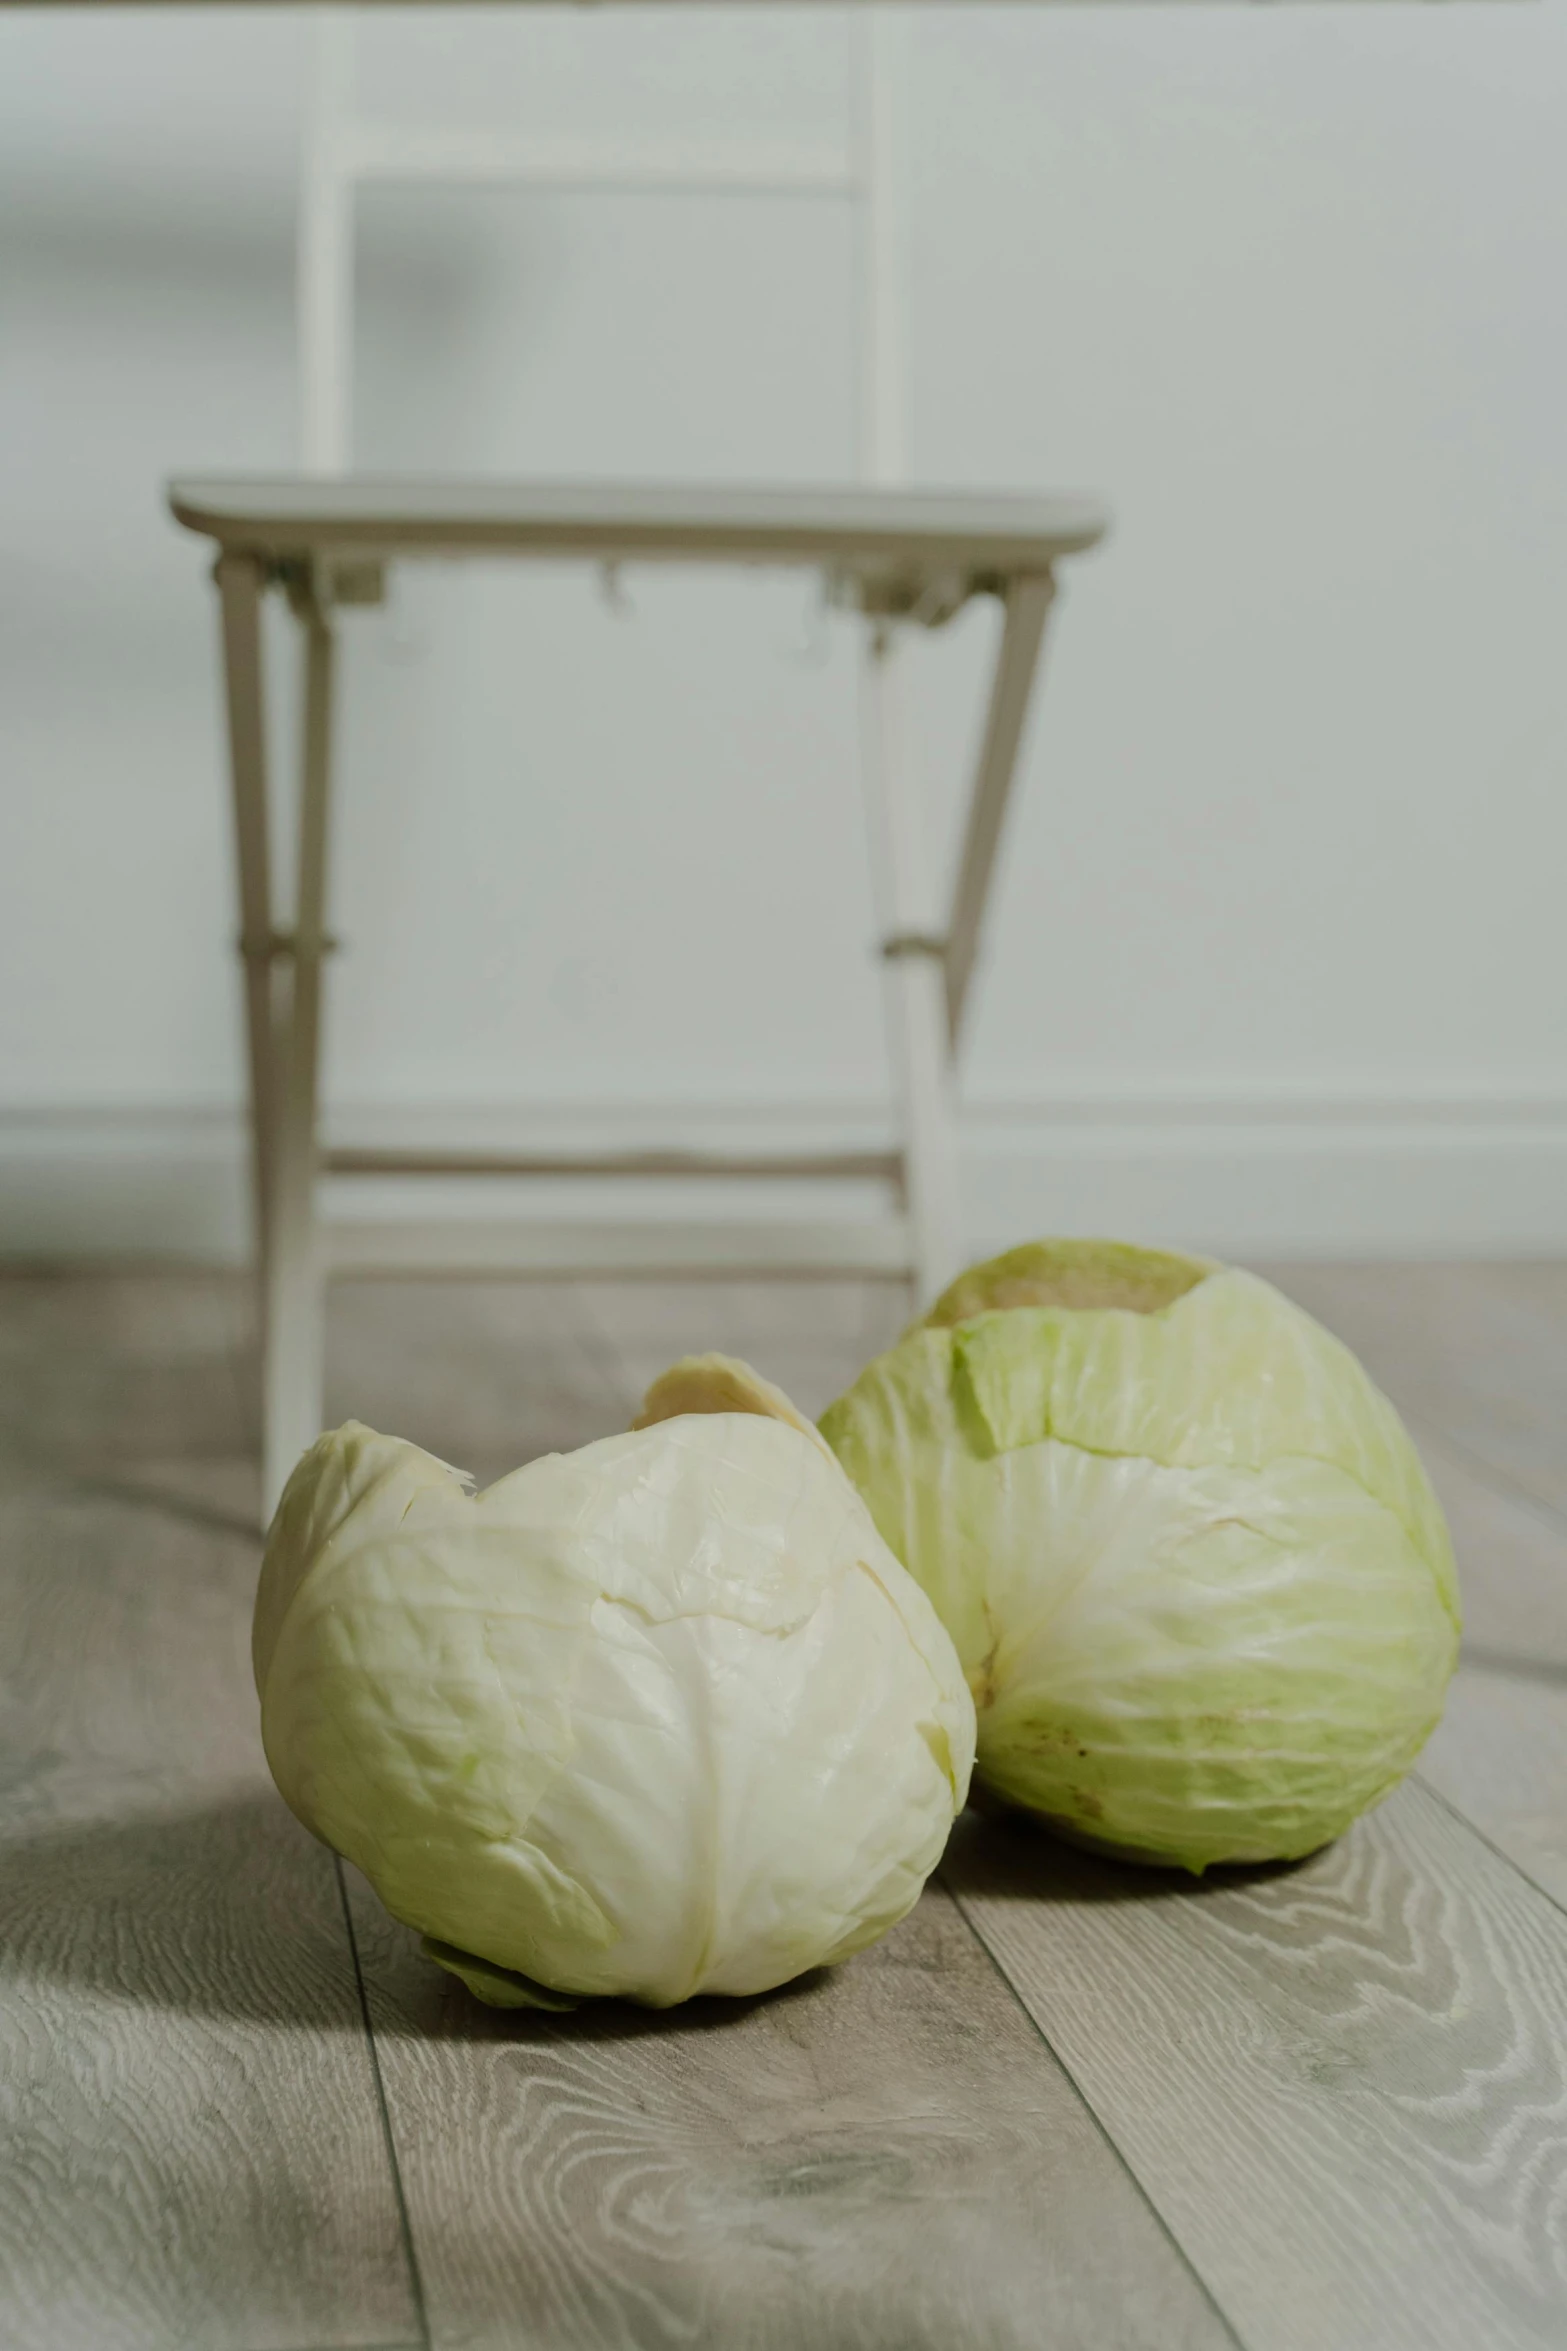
[1065,2105]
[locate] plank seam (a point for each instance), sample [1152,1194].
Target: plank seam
[190,1510]
[1485,1472]
[1518,1669]
[405,2227]
[601,1348]
[1087,2104]
[1455,1812]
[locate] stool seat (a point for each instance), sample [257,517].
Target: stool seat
[354,514]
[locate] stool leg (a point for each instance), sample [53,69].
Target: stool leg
[241,582]
[916,984]
[295,1280]
[1028,605]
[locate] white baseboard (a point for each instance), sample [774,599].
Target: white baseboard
[1290,1177]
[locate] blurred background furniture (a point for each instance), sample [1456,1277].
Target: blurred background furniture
[343,150]
[896,556]
[897,559]
[1246,989]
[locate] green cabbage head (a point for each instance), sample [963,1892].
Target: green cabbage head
[1198,1581]
[659,1717]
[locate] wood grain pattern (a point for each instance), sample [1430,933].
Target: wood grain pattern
[1341,2090]
[1343,2085]
[1499,1757]
[883,2156]
[123,1367]
[192,2150]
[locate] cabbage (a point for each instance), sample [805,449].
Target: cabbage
[1198,1581]
[659,1717]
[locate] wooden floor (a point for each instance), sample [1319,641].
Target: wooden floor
[1065,2105]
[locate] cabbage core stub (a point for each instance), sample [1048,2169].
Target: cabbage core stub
[1079,1275]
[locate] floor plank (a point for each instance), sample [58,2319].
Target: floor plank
[113,1368]
[483,1374]
[1341,2090]
[1477,1353]
[1499,1756]
[192,2151]
[1540,1282]
[1344,2085]
[1512,1564]
[886,2156]
[812,1338]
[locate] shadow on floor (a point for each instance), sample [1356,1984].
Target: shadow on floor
[1005,1854]
[450,2013]
[228,1908]
[222,1907]
[166,1499]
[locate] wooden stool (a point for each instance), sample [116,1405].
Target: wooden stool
[899,556]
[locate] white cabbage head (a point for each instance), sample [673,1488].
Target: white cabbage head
[1198,1581]
[659,1717]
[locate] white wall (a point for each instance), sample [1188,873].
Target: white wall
[1278,958]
